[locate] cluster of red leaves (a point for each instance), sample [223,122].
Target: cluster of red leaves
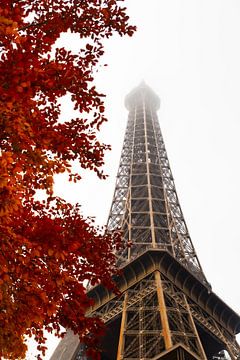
[46,255]
[48,249]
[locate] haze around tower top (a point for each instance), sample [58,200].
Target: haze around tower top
[188,52]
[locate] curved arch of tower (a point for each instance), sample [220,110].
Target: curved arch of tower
[167,309]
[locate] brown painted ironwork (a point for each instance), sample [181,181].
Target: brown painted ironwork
[145,203]
[167,309]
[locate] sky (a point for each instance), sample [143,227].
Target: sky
[188,52]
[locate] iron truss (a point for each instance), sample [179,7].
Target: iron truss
[145,203]
[157,315]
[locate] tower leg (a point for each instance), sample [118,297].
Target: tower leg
[122,329]
[163,312]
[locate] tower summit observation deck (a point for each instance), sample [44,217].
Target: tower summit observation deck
[166,309]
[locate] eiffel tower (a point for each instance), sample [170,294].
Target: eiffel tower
[166,309]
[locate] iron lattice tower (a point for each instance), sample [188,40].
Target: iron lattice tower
[167,309]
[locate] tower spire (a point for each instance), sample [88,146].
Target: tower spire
[145,203]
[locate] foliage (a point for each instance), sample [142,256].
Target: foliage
[47,249]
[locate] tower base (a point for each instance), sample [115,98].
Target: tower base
[164,312]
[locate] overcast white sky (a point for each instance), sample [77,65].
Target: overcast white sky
[188,51]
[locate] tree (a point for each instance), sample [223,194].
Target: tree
[47,249]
